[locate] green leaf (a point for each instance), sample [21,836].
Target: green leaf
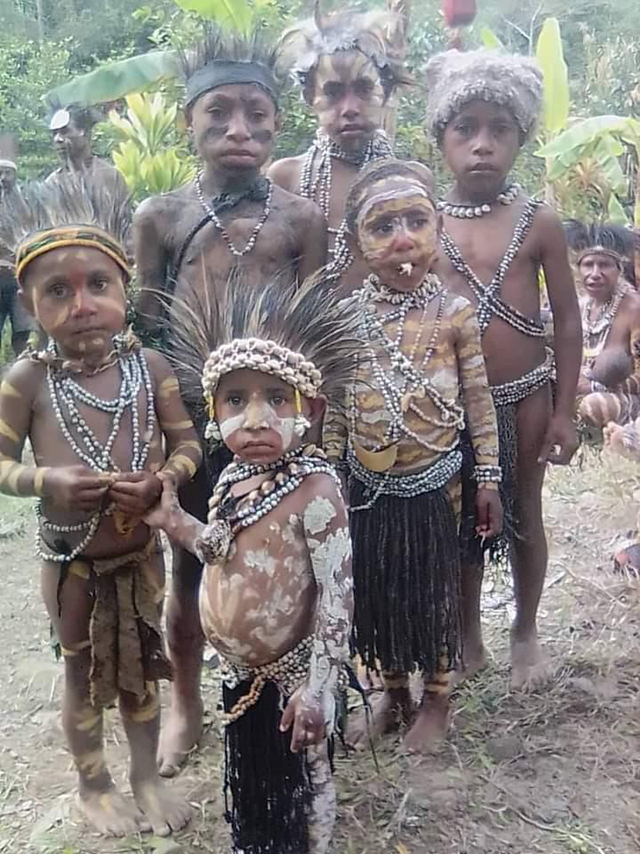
[549,53]
[489,39]
[616,213]
[581,133]
[117,79]
[236,13]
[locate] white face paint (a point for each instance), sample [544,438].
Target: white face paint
[257,415]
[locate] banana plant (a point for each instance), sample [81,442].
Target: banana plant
[151,156]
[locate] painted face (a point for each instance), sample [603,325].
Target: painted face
[233,126]
[600,276]
[70,142]
[256,415]
[480,145]
[397,232]
[77,295]
[348,98]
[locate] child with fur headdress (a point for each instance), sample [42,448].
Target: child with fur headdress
[482,107]
[187,242]
[348,67]
[97,410]
[421,369]
[275,599]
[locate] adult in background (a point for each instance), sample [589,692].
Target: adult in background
[609,385]
[347,69]
[10,306]
[71,130]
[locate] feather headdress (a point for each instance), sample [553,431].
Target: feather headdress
[375,34]
[452,79]
[223,57]
[42,216]
[306,337]
[615,241]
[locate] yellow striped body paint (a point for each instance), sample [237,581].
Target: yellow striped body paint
[8,432]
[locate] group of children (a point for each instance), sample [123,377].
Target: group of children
[365,442]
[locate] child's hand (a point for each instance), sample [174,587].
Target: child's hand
[167,513]
[488,512]
[560,442]
[308,722]
[621,440]
[133,493]
[76,488]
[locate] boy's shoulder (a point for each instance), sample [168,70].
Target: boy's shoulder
[286,172]
[454,303]
[164,204]
[296,206]
[321,498]
[22,380]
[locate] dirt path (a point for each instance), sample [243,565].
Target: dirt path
[557,771]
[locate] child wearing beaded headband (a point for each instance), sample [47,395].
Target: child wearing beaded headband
[421,372]
[275,598]
[481,108]
[97,410]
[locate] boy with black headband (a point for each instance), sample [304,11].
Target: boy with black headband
[99,412]
[186,244]
[482,107]
[346,67]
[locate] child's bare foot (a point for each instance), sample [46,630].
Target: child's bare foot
[431,724]
[475,660]
[163,809]
[110,813]
[529,666]
[390,711]
[179,736]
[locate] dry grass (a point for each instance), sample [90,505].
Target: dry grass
[554,771]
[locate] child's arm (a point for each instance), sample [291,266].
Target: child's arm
[135,492]
[567,339]
[151,261]
[481,421]
[70,487]
[181,527]
[334,435]
[326,528]
[314,242]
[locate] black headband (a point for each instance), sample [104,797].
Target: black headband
[222,72]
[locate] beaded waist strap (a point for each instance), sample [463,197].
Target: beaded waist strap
[517,390]
[407,485]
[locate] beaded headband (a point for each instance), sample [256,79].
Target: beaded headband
[601,250]
[70,235]
[265,356]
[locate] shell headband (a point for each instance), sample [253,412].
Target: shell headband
[601,250]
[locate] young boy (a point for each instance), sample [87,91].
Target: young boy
[97,410]
[275,599]
[482,107]
[348,71]
[186,244]
[422,369]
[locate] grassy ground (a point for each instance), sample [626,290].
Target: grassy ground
[555,771]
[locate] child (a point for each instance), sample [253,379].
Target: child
[275,599]
[187,242]
[422,369]
[96,410]
[348,70]
[482,107]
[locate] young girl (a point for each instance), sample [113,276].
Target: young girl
[275,599]
[96,409]
[421,373]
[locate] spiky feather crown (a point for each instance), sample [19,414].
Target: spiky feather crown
[220,46]
[453,79]
[44,215]
[606,238]
[306,337]
[374,34]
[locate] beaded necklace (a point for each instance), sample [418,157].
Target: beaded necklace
[228,514]
[399,396]
[488,297]
[460,211]
[65,394]
[601,326]
[215,219]
[319,189]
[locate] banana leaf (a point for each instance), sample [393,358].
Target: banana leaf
[583,132]
[549,53]
[238,13]
[116,79]
[489,39]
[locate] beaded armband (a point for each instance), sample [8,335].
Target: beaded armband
[484,475]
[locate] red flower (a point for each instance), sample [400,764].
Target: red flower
[459,13]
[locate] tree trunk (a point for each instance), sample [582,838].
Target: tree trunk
[40,15]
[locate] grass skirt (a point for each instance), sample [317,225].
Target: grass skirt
[406,569]
[268,790]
